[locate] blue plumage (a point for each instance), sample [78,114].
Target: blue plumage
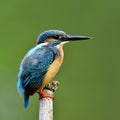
[33,69]
[49,34]
[26,100]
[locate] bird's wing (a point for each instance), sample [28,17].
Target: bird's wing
[33,69]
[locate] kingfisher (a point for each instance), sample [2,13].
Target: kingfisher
[41,63]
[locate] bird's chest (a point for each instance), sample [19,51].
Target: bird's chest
[53,68]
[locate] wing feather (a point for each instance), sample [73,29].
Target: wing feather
[34,67]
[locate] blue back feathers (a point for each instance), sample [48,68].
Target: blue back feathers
[33,69]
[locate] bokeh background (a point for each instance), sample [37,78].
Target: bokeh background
[89,76]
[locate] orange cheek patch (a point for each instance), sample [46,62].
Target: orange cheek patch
[63,37]
[49,40]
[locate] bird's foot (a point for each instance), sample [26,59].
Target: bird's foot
[45,95]
[48,91]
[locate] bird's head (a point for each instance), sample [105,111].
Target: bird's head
[57,35]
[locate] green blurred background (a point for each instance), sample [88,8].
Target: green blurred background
[89,76]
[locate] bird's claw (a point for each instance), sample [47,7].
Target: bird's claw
[49,89]
[44,95]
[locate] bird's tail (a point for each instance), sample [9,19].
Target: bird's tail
[26,100]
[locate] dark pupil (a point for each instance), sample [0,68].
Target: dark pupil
[56,36]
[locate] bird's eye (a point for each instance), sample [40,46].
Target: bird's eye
[56,36]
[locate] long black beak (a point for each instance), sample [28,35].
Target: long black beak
[74,38]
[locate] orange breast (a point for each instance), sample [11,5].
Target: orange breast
[53,69]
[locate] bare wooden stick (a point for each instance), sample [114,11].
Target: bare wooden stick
[46,104]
